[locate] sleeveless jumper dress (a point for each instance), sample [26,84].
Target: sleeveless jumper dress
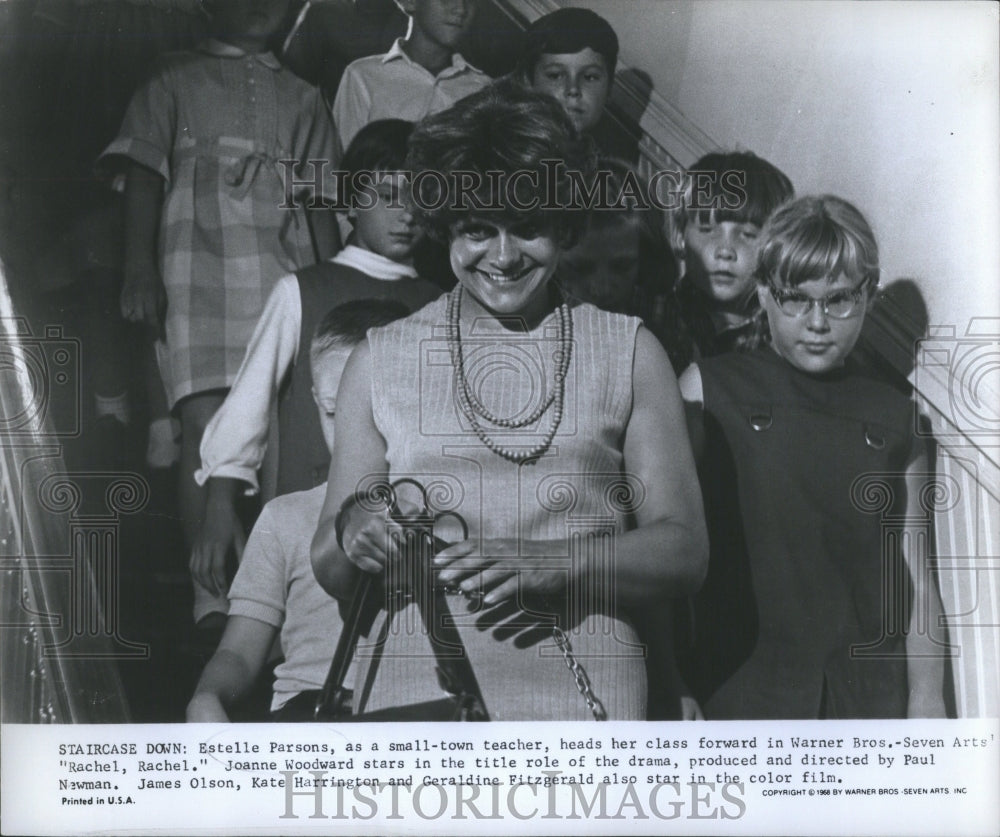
[574,496]
[797,574]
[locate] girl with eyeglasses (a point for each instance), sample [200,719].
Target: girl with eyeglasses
[806,613]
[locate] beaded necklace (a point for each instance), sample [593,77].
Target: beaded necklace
[474,410]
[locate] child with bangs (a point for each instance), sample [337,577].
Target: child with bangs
[784,435]
[715,233]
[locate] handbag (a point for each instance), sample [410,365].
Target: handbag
[414,581]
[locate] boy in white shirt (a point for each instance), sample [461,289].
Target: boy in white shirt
[376,264]
[421,74]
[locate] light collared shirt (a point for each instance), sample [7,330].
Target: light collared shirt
[235,440]
[394,86]
[220,49]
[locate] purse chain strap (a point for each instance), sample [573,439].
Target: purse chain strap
[579,674]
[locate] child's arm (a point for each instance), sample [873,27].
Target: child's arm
[673,680]
[142,150]
[694,407]
[232,670]
[232,447]
[257,603]
[234,442]
[221,531]
[694,404]
[670,697]
[924,657]
[143,299]
[351,106]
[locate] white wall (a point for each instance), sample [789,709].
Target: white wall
[893,106]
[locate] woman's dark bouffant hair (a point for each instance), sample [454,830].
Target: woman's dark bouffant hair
[494,153]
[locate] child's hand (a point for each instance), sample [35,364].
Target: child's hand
[690,710]
[143,298]
[206,708]
[221,531]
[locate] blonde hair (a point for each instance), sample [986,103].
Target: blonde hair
[818,237]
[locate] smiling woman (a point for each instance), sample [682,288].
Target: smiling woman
[554,430]
[505,267]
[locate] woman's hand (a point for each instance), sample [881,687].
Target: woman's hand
[501,567]
[370,538]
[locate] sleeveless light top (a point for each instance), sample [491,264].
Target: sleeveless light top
[575,495]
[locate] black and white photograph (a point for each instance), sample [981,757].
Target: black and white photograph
[369,363]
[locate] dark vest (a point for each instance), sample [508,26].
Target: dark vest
[797,568]
[303,460]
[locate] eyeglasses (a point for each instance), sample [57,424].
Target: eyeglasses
[839,305]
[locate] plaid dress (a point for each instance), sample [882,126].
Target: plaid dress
[215,122]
